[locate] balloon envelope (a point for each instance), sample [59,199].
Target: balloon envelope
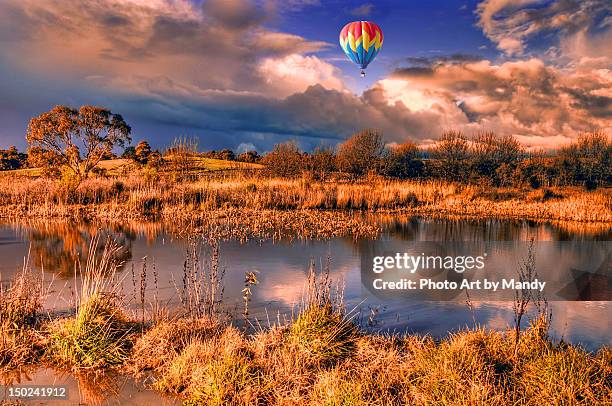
[361,42]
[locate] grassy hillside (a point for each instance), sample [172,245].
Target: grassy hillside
[120,166]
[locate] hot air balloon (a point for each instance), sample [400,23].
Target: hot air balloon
[361,41]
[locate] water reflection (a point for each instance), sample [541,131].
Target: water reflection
[283,268]
[92,390]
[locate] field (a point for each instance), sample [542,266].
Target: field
[117,167]
[321,356]
[135,195]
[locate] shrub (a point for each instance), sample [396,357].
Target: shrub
[284,160]
[361,153]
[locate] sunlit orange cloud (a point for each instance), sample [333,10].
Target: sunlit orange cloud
[542,106]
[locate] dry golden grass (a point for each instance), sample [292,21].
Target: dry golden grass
[168,339]
[98,336]
[467,368]
[20,302]
[132,197]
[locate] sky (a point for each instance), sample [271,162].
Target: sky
[247,74]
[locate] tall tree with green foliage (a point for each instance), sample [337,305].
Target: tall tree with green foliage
[78,139]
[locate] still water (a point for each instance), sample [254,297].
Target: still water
[575,262]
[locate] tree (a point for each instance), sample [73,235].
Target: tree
[361,153]
[129,153]
[47,161]
[451,152]
[11,159]
[402,161]
[587,161]
[284,160]
[488,152]
[322,162]
[78,139]
[249,156]
[142,152]
[226,154]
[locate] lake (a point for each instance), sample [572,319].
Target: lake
[566,259]
[574,261]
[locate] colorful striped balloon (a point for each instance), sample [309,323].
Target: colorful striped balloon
[361,41]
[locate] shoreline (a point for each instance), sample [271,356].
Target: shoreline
[320,357]
[114,213]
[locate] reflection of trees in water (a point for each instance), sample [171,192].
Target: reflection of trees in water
[61,248]
[451,228]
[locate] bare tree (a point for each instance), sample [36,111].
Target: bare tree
[182,156]
[284,160]
[451,151]
[587,161]
[362,152]
[402,161]
[78,139]
[322,162]
[489,152]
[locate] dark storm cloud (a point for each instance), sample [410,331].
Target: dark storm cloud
[422,61]
[599,106]
[234,14]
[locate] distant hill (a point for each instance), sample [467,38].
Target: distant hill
[119,166]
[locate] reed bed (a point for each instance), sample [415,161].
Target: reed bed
[134,198]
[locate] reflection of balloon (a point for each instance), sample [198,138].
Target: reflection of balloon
[361,41]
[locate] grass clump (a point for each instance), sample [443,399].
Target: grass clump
[214,371]
[321,335]
[167,340]
[20,343]
[99,336]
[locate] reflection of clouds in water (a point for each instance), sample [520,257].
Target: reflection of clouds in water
[283,269]
[578,322]
[499,321]
[289,286]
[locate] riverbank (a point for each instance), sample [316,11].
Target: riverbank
[320,356]
[259,198]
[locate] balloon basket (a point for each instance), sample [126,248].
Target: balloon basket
[362,73]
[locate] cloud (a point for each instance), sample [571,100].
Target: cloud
[525,98]
[363,11]
[245,147]
[511,23]
[235,14]
[216,46]
[295,73]
[219,70]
